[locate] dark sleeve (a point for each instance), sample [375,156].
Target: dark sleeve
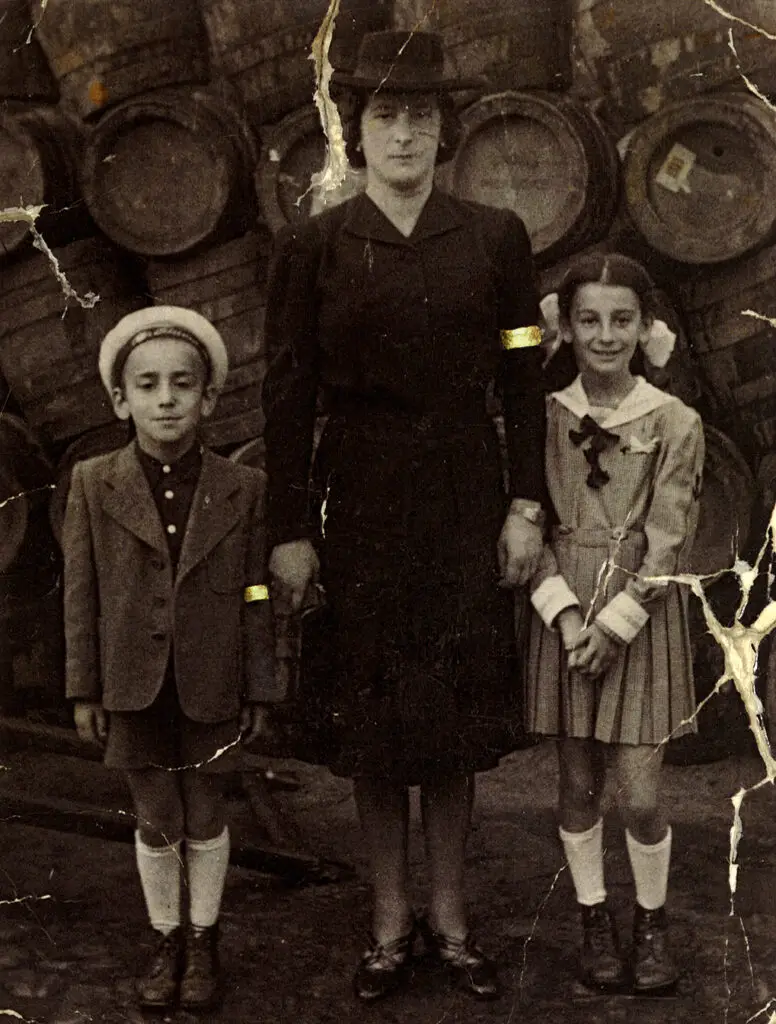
[291,385]
[81,608]
[261,683]
[521,385]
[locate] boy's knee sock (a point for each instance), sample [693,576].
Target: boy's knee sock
[650,866]
[206,864]
[584,853]
[160,876]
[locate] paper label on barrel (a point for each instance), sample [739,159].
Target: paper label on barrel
[676,169]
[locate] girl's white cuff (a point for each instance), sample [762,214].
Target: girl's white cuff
[623,616]
[551,597]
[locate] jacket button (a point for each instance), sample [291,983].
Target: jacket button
[158,636]
[157,563]
[159,601]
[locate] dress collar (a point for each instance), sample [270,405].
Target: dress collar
[440,214]
[643,399]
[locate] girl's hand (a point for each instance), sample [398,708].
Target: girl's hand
[295,566]
[520,547]
[255,723]
[91,722]
[570,623]
[593,653]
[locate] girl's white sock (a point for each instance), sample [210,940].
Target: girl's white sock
[584,853]
[650,866]
[160,876]
[206,864]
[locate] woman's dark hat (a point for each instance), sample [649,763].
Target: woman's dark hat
[402,62]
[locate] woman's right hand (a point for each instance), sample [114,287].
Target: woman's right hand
[294,566]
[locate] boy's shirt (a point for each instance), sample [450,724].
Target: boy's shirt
[172,486]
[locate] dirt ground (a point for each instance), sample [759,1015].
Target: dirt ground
[72,930]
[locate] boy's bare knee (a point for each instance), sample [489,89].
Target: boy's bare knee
[203,805]
[158,806]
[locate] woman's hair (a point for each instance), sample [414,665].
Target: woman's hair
[351,104]
[607,268]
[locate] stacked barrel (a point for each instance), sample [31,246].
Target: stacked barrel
[168,140]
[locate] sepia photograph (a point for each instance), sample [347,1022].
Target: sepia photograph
[387,511]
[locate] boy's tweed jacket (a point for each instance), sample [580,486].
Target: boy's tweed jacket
[124,611]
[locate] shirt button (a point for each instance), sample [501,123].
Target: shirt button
[171,529]
[169,494]
[166,469]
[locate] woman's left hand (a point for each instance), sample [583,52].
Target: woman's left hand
[593,653]
[520,547]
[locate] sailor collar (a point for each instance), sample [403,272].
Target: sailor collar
[643,399]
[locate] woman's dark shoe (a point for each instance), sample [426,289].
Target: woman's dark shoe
[601,963]
[200,987]
[651,962]
[465,960]
[384,966]
[158,987]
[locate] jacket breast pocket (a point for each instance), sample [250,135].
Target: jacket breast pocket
[226,566]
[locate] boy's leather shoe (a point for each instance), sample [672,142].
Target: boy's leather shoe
[158,987]
[601,963]
[200,987]
[651,961]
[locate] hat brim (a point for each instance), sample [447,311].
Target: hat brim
[159,316]
[386,84]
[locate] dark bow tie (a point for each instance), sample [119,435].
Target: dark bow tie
[600,439]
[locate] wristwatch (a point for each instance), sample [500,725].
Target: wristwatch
[530,510]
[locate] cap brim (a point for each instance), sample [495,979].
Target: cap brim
[388,85]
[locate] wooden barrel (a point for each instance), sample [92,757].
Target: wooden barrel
[726,504]
[513,45]
[226,284]
[99,441]
[38,154]
[24,72]
[291,153]
[25,478]
[700,177]
[49,344]
[263,46]
[545,157]
[104,51]
[646,56]
[736,352]
[167,171]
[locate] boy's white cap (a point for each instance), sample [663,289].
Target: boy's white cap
[164,322]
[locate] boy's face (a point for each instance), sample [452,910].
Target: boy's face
[165,394]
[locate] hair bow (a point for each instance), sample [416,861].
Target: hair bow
[657,346]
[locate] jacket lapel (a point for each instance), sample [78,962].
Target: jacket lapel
[126,497]
[212,514]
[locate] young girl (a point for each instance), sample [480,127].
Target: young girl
[609,656]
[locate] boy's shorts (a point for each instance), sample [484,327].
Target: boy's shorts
[162,736]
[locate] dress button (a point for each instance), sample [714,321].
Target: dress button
[169,494]
[171,529]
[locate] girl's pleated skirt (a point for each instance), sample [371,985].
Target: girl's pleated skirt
[648,695]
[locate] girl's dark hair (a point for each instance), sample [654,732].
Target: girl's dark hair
[351,104]
[607,268]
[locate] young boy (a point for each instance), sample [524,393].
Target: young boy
[169,630]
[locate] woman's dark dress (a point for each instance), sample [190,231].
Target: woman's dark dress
[401,336]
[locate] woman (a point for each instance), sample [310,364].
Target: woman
[400,307]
